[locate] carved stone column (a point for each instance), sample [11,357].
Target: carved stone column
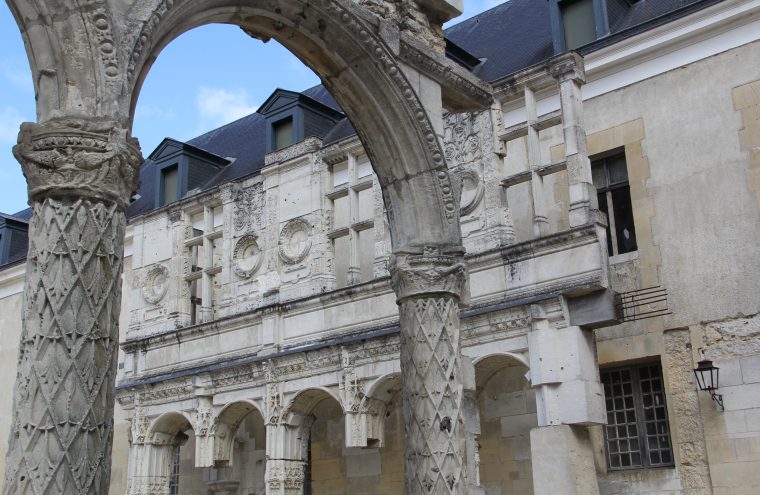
[80,174]
[429,285]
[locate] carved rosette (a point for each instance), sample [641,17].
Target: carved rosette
[295,241]
[246,257]
[472,191]
[156,284]
[94,159]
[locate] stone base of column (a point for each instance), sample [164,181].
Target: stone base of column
[563,461]
[285,477]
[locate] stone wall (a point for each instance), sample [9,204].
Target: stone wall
[11,299]
[507,414]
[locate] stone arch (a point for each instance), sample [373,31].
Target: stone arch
[487,366]
[225,427]
[165,427]
[507,413]
[305,401]
[343,45]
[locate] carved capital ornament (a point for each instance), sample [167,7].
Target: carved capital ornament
[95,159]
[428,273]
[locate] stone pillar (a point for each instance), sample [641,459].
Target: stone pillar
[287,455]
[80,173]
[570,75]
[569,398]
[429,284]
[685,415]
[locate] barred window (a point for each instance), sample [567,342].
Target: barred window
[174,477]
[637,433]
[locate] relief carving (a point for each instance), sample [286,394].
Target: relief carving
[472,191]
[246,257]
[249,208]
[84,158]
[156,284]
[428,273]
[295,241]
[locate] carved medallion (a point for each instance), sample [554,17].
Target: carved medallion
[295,241]
[472,191]
[156,284]
[246,257]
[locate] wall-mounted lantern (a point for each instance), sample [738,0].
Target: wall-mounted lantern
[707,377]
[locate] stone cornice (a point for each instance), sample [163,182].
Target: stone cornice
[462,91]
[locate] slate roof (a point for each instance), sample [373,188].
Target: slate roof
[507,38]
[517,34]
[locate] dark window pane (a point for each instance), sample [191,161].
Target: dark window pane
[283,133]
[623,211]
[617,169]
[578,19]
[170,181]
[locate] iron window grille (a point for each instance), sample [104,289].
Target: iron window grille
[637,434]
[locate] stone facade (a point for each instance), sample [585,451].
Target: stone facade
[342,323]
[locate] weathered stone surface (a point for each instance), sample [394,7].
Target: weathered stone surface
[61,438]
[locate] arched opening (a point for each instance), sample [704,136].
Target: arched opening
[360,72]
[171,455]
[239,450]
[507,407]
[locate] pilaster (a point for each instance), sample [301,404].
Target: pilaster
[569,398]
[570,75]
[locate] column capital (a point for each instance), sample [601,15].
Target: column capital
[428,271]
[568,67]
[92,158]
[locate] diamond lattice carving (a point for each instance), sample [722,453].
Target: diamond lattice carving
[63,406]
[431,365]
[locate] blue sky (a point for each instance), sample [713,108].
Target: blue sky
[229,76]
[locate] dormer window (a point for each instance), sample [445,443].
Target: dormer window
[282,133]
[181,167]
[576,23]
[292,117]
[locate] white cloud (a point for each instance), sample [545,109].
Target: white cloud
[153,112]
[10,121]
[18,75]
[219,106]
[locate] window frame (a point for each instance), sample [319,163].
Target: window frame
[162,172]
[644,448]
[608,190]
[351,190]
[601,23]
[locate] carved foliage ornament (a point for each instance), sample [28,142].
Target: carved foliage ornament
[295,241]
[428,273]
[86,158]
[156,284]
[246,257]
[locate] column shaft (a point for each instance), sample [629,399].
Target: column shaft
[428,287]
[80,175]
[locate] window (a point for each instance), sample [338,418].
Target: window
[169,185]
[283,133]
[611,181]
[353,214]
[174,477]
[579,23]
[637,433]
[205,262]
